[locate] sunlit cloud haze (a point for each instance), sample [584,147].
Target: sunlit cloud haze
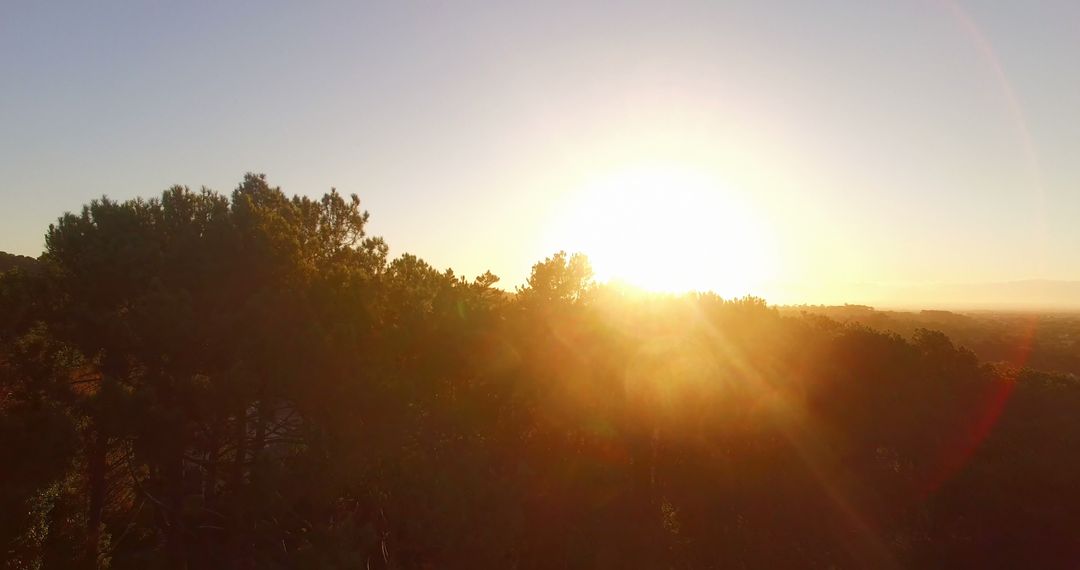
[804,151]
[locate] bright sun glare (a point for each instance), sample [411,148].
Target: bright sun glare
[663,228]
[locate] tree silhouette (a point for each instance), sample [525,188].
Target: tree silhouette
[249,381]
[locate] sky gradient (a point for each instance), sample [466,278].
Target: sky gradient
[884,142]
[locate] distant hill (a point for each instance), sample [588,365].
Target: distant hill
[1031,294]
[1044,340]
[1027,294]
[12,261]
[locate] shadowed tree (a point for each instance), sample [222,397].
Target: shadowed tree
[248,381]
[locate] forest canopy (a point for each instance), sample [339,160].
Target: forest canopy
[202,380]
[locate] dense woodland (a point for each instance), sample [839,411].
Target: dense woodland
[248,381]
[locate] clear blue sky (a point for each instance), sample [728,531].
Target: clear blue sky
[880,141]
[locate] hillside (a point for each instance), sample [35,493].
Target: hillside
[1042,340]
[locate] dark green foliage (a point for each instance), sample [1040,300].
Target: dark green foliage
[202,381]
[9,262]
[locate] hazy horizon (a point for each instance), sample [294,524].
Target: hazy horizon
[410,285]
[780,149]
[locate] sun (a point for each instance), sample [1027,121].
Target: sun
[666,228]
